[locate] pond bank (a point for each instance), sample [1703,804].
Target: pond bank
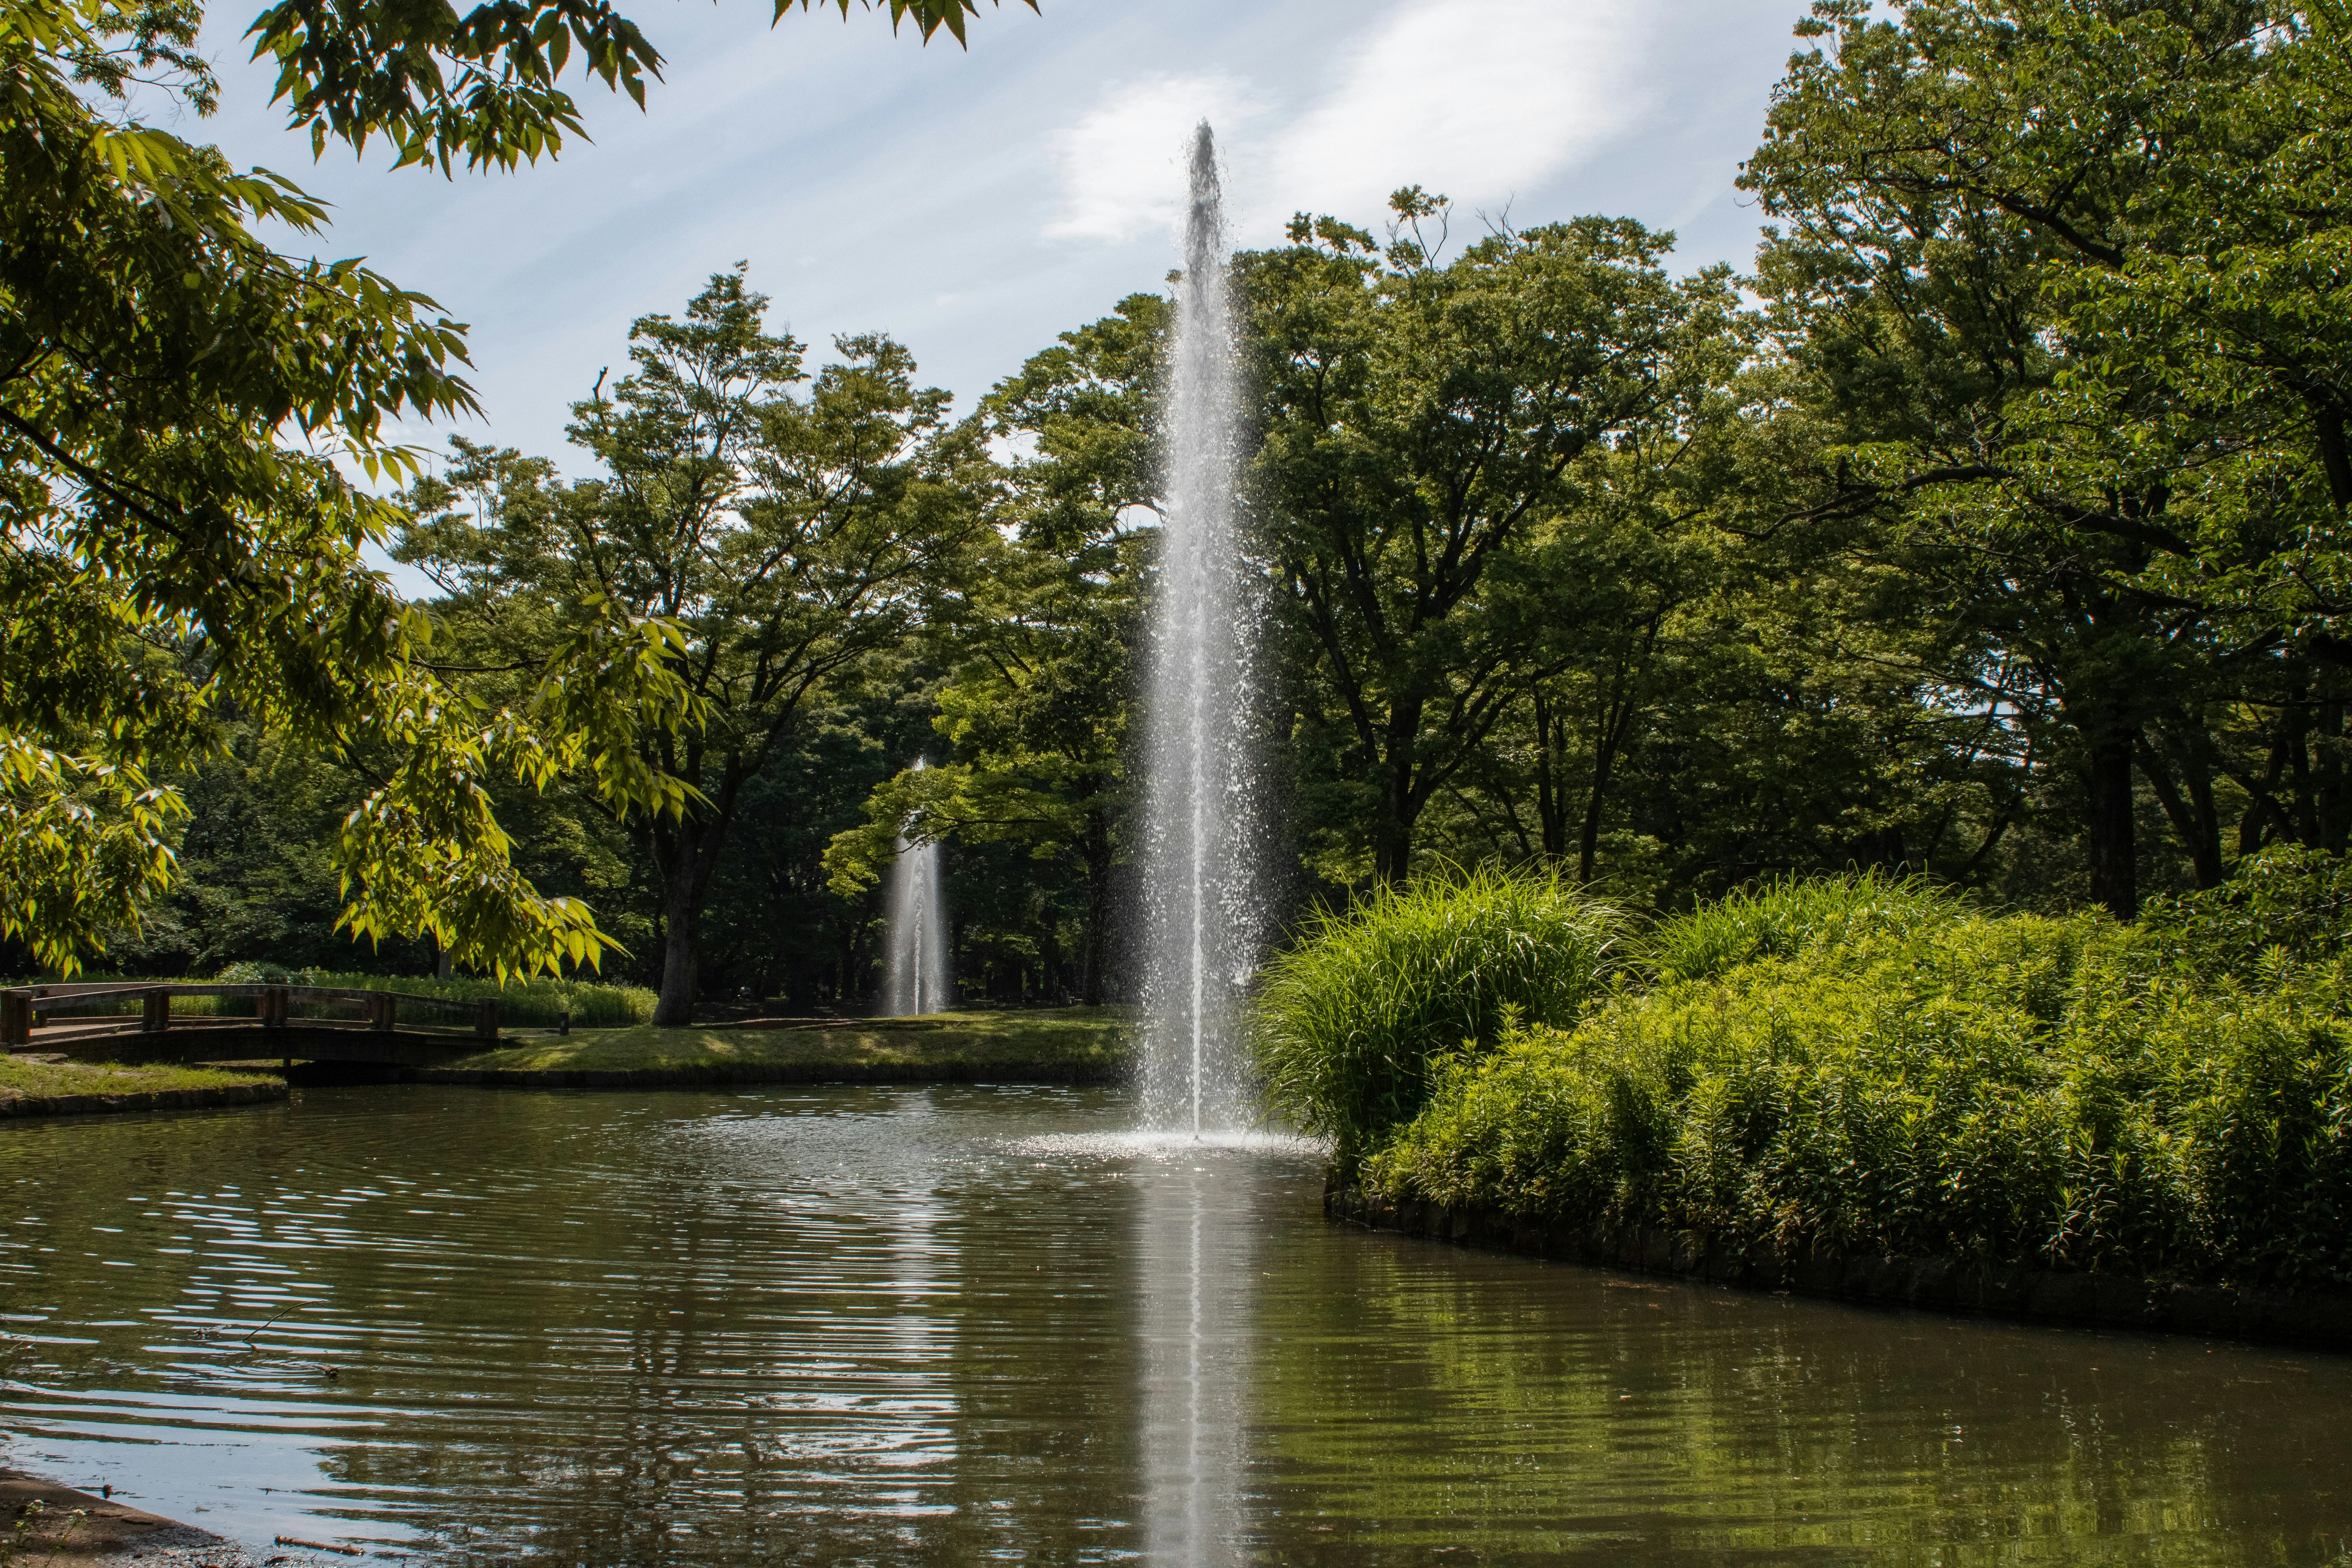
[2322,1321]
[63,1525]
[1073,1045]
[39,1085]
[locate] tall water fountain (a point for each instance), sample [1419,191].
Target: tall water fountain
[1203,911]
[915,933]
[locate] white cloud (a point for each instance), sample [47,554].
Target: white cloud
[1476,98]
[1121,164]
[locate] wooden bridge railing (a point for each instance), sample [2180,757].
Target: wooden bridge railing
[21,1006]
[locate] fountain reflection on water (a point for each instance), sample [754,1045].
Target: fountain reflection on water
[915,933]
[1199,1273]
[1202,910]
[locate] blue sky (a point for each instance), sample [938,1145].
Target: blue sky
[974,203]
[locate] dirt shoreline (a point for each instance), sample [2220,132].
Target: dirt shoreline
[70,1526]
[62,1526]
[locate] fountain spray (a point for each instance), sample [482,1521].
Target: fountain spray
[915,933]
[1202,906]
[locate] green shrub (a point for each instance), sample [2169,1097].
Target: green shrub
[1348,1019]
[2286,904]
[1794,915]
[525,1004]
[2009,1088]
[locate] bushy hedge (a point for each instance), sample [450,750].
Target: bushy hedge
[524,1004]
[535,1003]
[1878,1066]
[1349,1017]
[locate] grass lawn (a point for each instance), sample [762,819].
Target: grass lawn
[21,1077]
[1074,1036]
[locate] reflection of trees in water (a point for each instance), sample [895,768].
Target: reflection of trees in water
[1043,1374]
[653,1330]
[1409,1396]
[766,1377]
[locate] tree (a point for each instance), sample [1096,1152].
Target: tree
[178,407]
[179,538]
[2087,383]
[1421,423]
[789,540]
[437,85]
[1035,707]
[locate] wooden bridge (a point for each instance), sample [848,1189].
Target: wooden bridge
[291,1023]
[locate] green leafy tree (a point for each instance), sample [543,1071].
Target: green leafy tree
[790,540]
[1422,420]
[180,409]
[2061,272]
[483,85]
[1035,707]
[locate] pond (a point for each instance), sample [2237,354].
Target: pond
[946,1325]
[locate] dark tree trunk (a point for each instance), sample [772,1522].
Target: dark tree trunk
[2264,815]
[1391,850]
[2113,853]
[686,854]
[1615,722]
[1392,828]
[2192,817]
[1551,809]
[2328,804]
[1098,896]
[2329,421]
[681,961]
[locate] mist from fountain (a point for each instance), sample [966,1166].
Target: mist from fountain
[915,933]
[1203,913]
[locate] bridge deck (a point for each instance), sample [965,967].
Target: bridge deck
[31,1021]
[245,1039]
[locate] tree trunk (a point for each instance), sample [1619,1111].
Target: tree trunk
[2327,791]
[1392,849]
[1098,891]
[2113,853]
[686,855]
[1608,741]
[2327,421]
[1552,812]
[1393,829]
[682,919]
[2193,817]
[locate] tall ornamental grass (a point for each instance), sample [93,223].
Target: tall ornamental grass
[2172,1099]
[1796,915]
[1349,1018]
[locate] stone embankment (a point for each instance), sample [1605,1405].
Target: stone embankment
[144,1099]
[1935,1284]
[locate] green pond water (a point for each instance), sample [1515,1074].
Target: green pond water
[952,1325]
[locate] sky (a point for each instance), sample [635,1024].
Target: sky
[975,202]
